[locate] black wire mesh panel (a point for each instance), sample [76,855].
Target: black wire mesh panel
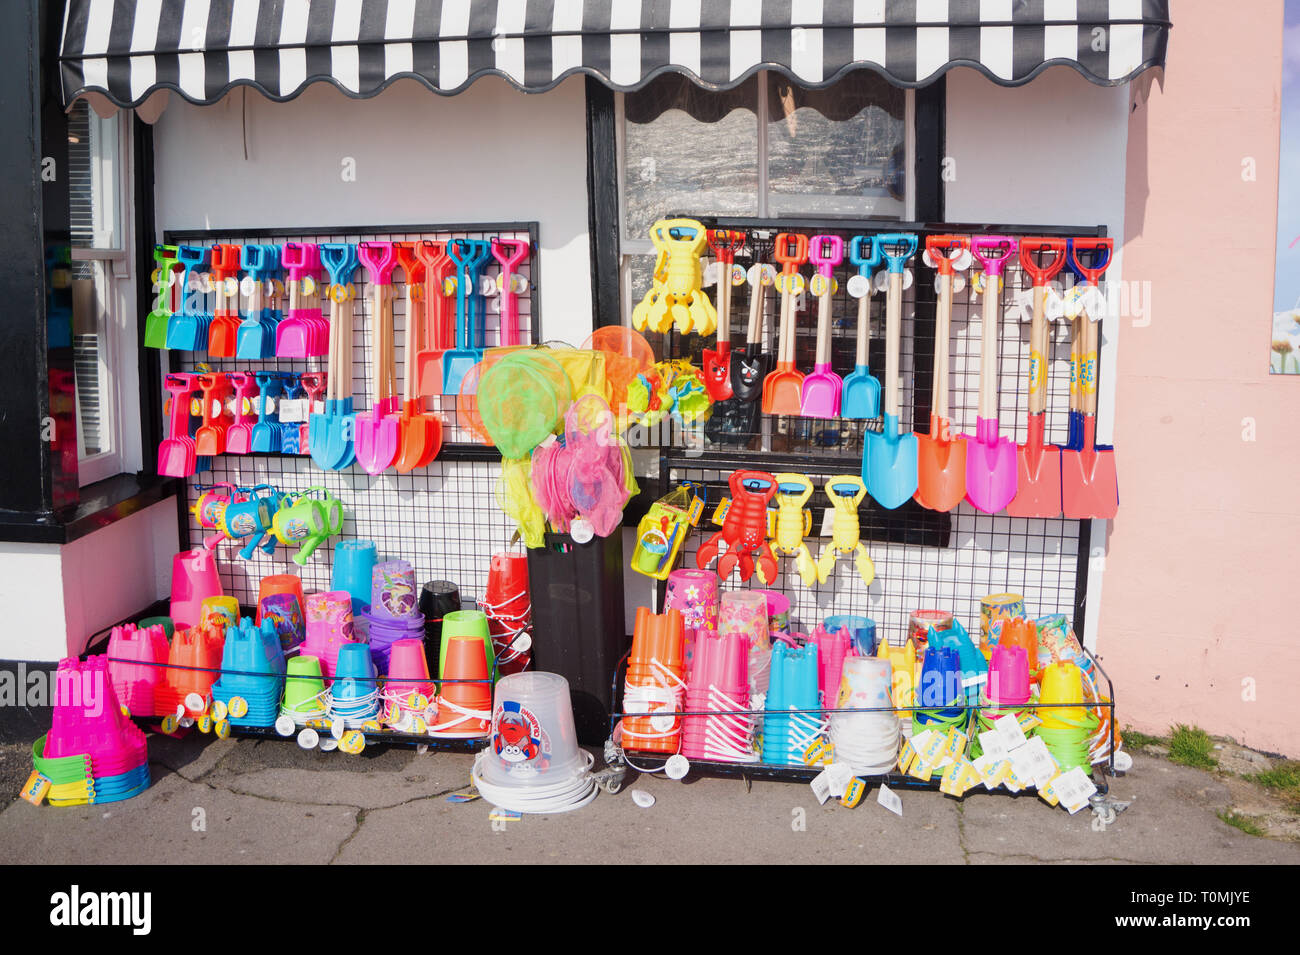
[443,519]
[923,558]
[362,308]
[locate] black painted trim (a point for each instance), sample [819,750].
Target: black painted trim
[931,119]
[602,204]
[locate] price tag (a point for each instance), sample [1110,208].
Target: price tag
[1009,729]
[890,800]
[35,788]
[821,786]
[1074,789]
[859,286]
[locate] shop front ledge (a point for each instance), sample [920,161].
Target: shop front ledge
[102,503]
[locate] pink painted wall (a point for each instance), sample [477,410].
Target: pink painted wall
[1200,581]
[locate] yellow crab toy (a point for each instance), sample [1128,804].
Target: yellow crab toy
[793,523]
[845,494]
[675,296]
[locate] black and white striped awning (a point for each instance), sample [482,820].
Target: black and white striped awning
[125,50]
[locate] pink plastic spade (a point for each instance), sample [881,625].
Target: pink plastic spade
[376,432]
[304,332]
[822,389]
[991,476]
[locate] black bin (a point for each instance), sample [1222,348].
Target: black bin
[578,622]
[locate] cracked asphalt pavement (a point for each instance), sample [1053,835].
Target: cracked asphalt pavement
[257,801]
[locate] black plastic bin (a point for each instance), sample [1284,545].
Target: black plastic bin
[578,622]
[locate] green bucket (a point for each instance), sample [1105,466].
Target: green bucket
[166,622]
[466,623]
[303,686]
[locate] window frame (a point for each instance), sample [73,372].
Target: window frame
[118,330]
[632,247]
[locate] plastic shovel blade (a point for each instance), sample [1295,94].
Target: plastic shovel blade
[1089,483]
[376,441]
[940,468]
[861,398]
[222,336]
[239,439]
[456,363]
[889,464]
[415,435]
[266,438]
[820,393]
[428,370]
[210,441]
[990,467]
[251,341]
[318,436]
[342,445]
[783,391]
[292,339]
[183,332]
[750,366]
[176,457]
[1038,476]
[155,329]
[717,371]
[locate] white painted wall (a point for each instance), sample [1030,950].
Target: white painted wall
[117,571]
[55,597]
[490,154]
[31,591]
[1052,152]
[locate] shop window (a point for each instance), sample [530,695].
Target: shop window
[767,148]
[103,320]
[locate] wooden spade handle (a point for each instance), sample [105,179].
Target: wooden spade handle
[942,333]
[864,331]
[893,334]
[824,326]
[1038,353]
[1088,362]
[724,303]
[988,406]
[757,299]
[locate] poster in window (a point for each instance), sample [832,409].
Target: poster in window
[1284,355]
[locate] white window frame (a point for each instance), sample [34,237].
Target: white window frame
[629,247]
[117,334]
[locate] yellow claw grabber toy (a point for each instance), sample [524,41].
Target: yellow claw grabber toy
[845,494]
[793,523]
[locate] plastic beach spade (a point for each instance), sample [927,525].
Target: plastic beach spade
[376,430]
[470,255]
[782,388]
[940,457]
[861,398]
[1089,485]
[1038,477]
[716,361]
[888,457]
[990,459]
[820,393]
[330,435]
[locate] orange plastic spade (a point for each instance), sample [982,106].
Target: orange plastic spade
[223,333]
[439,330]
[1089,485]
[783,387]
[940,457]
[1038,484]
[419,436]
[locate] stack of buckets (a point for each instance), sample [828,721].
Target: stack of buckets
[93,752]
[868,742]
[305,699]
[509,609]
[329,628]
[252,674]
[653,690]
[719,685]
[1067,724]
[465,669]
[1007,691]
[137,666]
[941,696]
[408,693]
[193,665]
[792,721]
[354,695]
[393,612]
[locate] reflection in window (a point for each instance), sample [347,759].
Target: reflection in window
[689,150]
[838,151]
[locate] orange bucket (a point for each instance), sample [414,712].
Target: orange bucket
[193,665]
[655,682]
[464,709]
